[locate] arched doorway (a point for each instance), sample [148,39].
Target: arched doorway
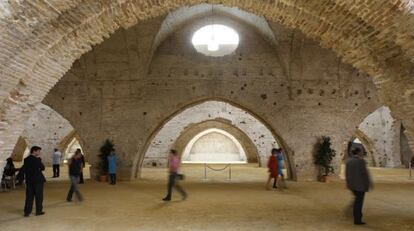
[214,145]
[255,129]
[20,150]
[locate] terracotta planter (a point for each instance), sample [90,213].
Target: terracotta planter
[324,179]
[103,178]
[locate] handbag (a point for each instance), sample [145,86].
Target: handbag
[180,176]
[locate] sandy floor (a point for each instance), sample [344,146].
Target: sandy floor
[216,204]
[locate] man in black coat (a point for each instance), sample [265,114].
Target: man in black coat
[32,168]
[358,181]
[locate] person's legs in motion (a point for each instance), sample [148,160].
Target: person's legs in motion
[39,199]
[75,180]
[171,181]
[81,181]
[358,204]
[28,205]
[275,182]
[74,189]
[71,190]
[57,170]
[282,182]
[268,182]
[178,187]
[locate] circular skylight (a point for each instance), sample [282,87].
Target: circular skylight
[215,40]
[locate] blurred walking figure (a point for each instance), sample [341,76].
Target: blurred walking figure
[56,159]
[112,158]
[358,181]
[272,166]
[32,170]
[280,164]
[75,169]
[174,165]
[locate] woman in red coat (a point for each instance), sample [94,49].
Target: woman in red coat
[273,169]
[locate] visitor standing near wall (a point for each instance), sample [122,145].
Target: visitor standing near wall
[56,160]
[112,159]
[412,162]
[75,169]
[358,181]
[272,169]
[32,169]
[82,157]
[174,165]
[280,164]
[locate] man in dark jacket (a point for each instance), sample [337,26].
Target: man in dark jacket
[75,168]
[32,168]
[358,181]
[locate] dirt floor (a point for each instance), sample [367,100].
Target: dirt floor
[215,204]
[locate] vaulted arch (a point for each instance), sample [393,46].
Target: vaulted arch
[41,40]
[259,132]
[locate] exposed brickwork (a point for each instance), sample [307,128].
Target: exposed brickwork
[301,92]
[40,40]
[383,133]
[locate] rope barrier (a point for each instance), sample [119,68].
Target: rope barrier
[217,170]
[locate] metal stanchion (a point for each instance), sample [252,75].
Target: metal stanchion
[230,172]
[205,171]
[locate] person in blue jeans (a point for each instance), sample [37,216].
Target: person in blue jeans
[112,158]
[280,164]
[75,169]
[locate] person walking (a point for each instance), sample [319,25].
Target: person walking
[82,157]
[32,169]
[280,164]
[174,165]
[112,158]
[75,169]
[272,169]
[56,159]
[358,181]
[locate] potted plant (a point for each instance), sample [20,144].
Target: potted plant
[323,158]
[105,150]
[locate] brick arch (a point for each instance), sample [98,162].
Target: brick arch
[189,132]
[68,139]
[368,145]
[272,131]
[19,150]
[40,41]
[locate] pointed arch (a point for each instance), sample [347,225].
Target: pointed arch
[267,133]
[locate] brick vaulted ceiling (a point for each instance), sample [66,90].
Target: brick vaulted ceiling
[40,39]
